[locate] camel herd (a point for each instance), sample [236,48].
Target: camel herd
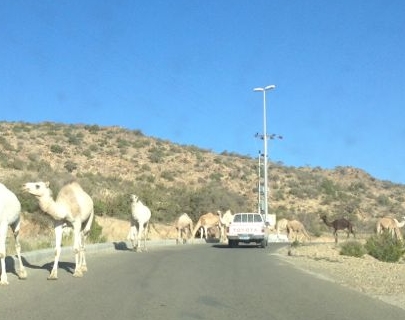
[74,207]
[297,232]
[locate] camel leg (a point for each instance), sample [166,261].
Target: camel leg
[222,234]
[145,234]
[145,231]
[22,274]
[82,257]
[138,239]
[58,248]
[83,237]
[3,235]
[133,235]
[178,236]
[398,234]
[77,248]
[185,235]
[189,235]
[3,280]
[141,234]
[201,233]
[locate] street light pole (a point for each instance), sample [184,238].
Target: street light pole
[269,87]
[259,185]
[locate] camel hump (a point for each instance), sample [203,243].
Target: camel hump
[9,203]
[7,195]
[74,197]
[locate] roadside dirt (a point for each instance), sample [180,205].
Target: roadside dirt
[382,280]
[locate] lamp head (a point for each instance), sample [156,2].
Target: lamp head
[269,87]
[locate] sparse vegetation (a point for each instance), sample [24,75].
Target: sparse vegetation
[385,248]
[112,162]
[352,249]
[95,235]
[56,148]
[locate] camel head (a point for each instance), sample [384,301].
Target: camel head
[37,189]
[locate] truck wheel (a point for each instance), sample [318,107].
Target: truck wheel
[263,243]
[233,243]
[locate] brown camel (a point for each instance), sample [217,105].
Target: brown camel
[206,221]
[339,224]
[390,224]
[294,228]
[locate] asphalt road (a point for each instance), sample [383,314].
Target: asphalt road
[203,281]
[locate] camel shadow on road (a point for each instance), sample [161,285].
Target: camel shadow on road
[67,266]
[121,246]
[10,265]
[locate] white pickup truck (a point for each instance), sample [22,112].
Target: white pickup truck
[247,228]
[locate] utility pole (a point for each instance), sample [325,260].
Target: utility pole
[264,89]
[259,186]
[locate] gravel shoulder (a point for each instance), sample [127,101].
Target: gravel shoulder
[382,280]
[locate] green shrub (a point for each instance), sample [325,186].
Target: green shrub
[70,166]
[295,244]
[385,248]
[352,249]
[95,235]
[168,175]
[55,148]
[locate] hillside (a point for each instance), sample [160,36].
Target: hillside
[113,162]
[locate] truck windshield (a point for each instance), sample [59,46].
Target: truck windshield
[244,217]
[258,218]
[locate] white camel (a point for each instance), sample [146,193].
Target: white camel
[184,227]
[281,225]
[73,207]
[10,209]
[391,225]
[140,216]
[206,221]
[226,220]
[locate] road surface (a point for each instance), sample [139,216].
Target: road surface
[204,281]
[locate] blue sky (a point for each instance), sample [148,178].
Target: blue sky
[184,71]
